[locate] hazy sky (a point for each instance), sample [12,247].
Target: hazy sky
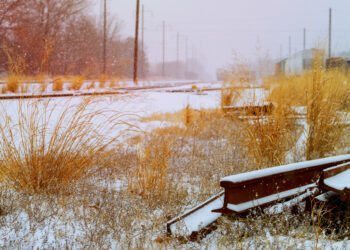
[215,28]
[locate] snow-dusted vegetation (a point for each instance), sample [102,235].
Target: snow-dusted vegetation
[108,130]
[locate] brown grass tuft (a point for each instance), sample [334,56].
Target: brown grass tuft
[324,96]
[149,178]
[57,84]
[46,148]
[77,82]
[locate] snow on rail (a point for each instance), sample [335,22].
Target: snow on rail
[238,178]
[197,218]
[340,181]
[265,200]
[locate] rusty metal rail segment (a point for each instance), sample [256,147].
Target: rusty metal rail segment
[195,212]
[337,179]
[263,187]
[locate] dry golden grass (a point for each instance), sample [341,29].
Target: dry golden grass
[267,140]
[265,135]
[102,81]
[229,95]
[149,178]
[47,148]
[40,78]
[13,81]
[97,213]
[24,88]
[174,117]
[76,82]
[325,113]
[57,84]
[115,82]
[186,116]
[16,68]
[324,94]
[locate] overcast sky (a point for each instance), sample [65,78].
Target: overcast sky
[216,28]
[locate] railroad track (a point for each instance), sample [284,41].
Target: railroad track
[115,91]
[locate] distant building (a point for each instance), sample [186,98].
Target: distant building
[297,63]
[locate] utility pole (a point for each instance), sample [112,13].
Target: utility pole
[104,36]
[177,54]
[193,52]
[281,52]
[136,42]
[290,46]
[193,58]
[330,34]
[186,56]
[142,41]
[304,38]
[163,66]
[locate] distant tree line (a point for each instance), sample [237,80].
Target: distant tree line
[59,37]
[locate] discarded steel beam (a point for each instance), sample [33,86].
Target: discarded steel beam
[197,218]
[263,187]
[337,179]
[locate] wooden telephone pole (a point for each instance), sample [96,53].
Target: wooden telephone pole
[142,41]
[290,46]
[136,43]
[163,65]
[104,36]
[304,40]
[177,55]
[330,34]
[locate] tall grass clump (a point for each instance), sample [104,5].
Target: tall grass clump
[45,147]
[16,69]
[149,177]
[57,84]
[266,134]
[77,82]
[267,140]
[326,115]
[229,95]
[324,95]
[102,81]
[308,119]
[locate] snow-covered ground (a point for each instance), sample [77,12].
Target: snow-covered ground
[62,227]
